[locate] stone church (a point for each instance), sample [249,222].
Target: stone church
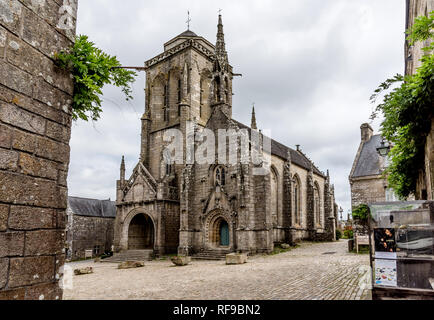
[212,209]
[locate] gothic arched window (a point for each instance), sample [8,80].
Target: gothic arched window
[317,204]
[274,196]
[220,176]
[297,200]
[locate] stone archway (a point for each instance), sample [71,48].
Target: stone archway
[219,233]
[141,233]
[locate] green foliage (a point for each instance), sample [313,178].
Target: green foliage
[338,234]
[348,233]
[361,214]
[422,29]
[408,109]
[92,69]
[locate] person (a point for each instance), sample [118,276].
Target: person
[385,240]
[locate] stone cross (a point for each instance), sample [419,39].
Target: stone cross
[188,20]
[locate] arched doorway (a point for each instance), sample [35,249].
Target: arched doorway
[141,233]
[220,233]
[224,234]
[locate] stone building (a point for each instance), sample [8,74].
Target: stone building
[212,208]
[35,126]
[413,54]
[366,178]
[90,226]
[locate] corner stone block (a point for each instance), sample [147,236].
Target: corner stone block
[181,260]
[236,258]
[44,242]
[26,190]
[30,270]
[31,218]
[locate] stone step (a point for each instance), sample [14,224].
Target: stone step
[211,255]
[208,258]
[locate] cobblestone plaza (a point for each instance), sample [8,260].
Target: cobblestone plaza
[314,271]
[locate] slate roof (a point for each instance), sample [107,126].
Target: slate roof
[369,163]
[187,33]
[92,207]
[281,151]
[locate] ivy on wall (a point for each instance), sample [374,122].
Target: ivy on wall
[92,69]
[408,110]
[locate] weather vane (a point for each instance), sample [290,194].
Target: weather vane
[220,11]
[188,20]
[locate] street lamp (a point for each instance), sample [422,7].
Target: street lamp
[341,210]
[383,149]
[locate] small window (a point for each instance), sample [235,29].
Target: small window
[168,169]
[220,176]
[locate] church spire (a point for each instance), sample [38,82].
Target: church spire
[123,169]
[253,125]
[220,47]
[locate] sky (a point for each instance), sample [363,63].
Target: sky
[309,66]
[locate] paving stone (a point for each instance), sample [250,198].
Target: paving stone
[302,273]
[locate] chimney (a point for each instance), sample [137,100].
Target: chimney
[366,132]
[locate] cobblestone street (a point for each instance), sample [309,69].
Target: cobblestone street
[312,271]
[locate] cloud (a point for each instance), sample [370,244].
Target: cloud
[310,66]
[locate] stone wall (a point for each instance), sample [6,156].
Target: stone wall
[87,233]
[365,190]
[35,126]
[429,163]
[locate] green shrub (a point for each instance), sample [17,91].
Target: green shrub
[338,234]
[361,214]
[348,233]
